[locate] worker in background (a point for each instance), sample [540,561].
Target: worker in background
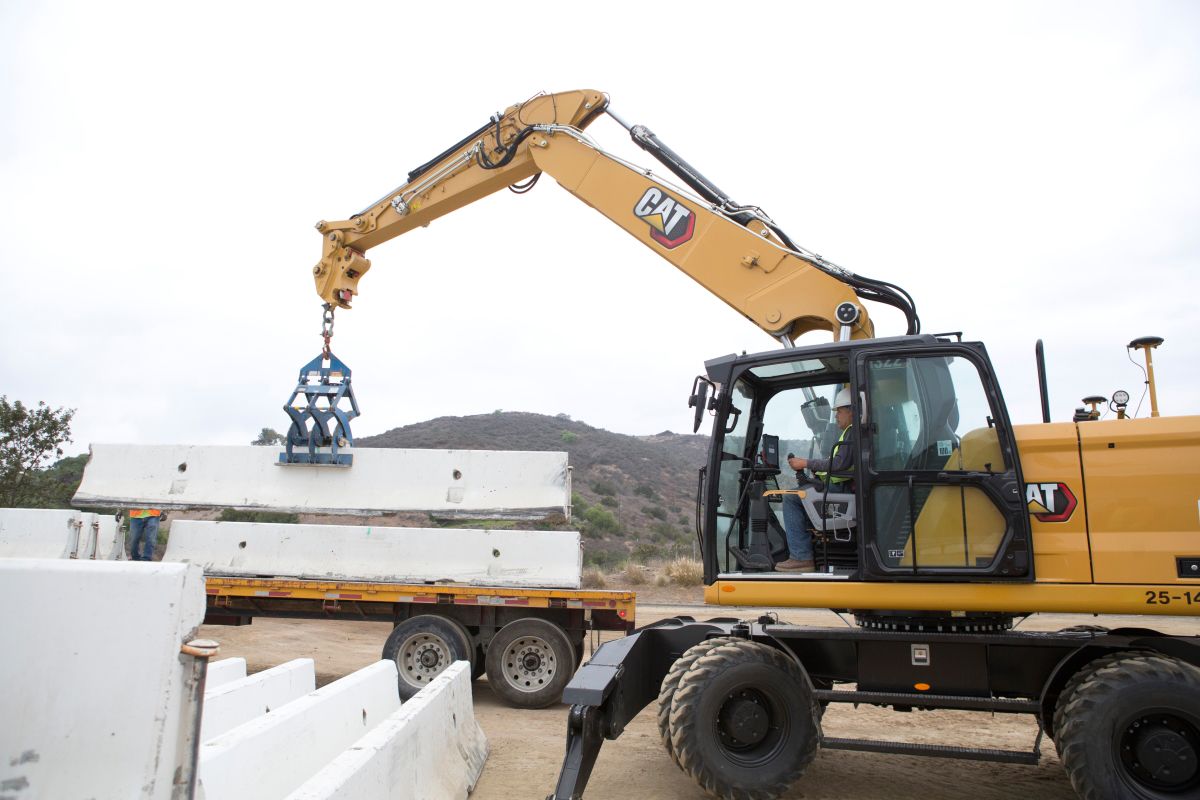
[795,522]
[143,530]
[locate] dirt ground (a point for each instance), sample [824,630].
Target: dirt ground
[527,746]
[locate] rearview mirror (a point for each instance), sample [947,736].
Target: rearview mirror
[816,413]
[699,400]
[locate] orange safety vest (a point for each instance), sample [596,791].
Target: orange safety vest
[139,513]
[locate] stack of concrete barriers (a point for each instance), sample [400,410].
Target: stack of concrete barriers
[109,686]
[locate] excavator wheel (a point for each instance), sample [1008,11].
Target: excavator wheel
[1128,725]
[671,682]
[743,722]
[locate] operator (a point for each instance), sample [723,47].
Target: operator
[143,530]
[795,522]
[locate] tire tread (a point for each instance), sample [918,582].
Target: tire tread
[683,719]
[1092,688]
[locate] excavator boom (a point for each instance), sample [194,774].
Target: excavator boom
[736,252]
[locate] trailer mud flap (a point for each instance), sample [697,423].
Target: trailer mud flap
[622,678]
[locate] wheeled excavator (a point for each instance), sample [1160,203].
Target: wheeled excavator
[953,525]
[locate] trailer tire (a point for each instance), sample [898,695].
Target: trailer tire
[1128,725]
[580,646]
[422,647]
[529,662]
[670,685]
[477,662]
[743,722]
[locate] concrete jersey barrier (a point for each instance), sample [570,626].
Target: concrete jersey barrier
[272,755]
[59,533]
[531,559]
[96,698]
[463,483]
[431,748]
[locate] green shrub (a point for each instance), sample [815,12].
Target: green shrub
[646,491]
[604,487]
[655,511]
[233,515]
[568,437]
[601,519]
[645,551]
[604,555]
[578,503]
[609,500]
[663,531]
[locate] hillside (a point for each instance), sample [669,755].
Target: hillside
[634,496]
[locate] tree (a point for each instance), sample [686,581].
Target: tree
[28,436]
[269,436]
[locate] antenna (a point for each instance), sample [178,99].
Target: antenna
[1148,343]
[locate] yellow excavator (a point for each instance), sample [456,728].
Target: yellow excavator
[946,525]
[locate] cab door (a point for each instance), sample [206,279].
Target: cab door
[939,478]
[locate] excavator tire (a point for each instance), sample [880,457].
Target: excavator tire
[671,682]
[1128,725]
[743,722]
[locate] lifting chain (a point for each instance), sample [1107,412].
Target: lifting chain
[326,329]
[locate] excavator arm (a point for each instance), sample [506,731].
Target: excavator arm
[736,252]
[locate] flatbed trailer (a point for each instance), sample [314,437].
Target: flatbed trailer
[528,641]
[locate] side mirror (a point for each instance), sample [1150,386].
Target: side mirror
[699,400]
[816,413]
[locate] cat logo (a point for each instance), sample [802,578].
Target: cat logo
[671,222]
[1050,502]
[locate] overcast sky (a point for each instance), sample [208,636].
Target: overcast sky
[1025,170]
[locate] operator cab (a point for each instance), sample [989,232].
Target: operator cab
[933,493]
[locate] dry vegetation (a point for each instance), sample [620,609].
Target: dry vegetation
[684,572]
[594,578]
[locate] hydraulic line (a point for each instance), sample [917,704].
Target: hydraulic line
[866,288]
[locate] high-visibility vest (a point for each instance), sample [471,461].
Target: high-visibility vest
[824,476]
[139,513]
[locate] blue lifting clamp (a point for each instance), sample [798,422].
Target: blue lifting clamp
[325,384]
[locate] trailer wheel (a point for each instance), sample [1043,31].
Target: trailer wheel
[1128,725]
[743,722]
[529,662]
[422,647]
[670,685]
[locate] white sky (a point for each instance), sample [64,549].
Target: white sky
[1025,170]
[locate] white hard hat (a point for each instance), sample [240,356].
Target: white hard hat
[843,398]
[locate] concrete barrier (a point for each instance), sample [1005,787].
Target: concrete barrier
[97,537]
[469,483]
[60,533]
[547,559]
[97,700]
[432,747]
[238,701]
[36,532]
[274,754]
[224,671]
